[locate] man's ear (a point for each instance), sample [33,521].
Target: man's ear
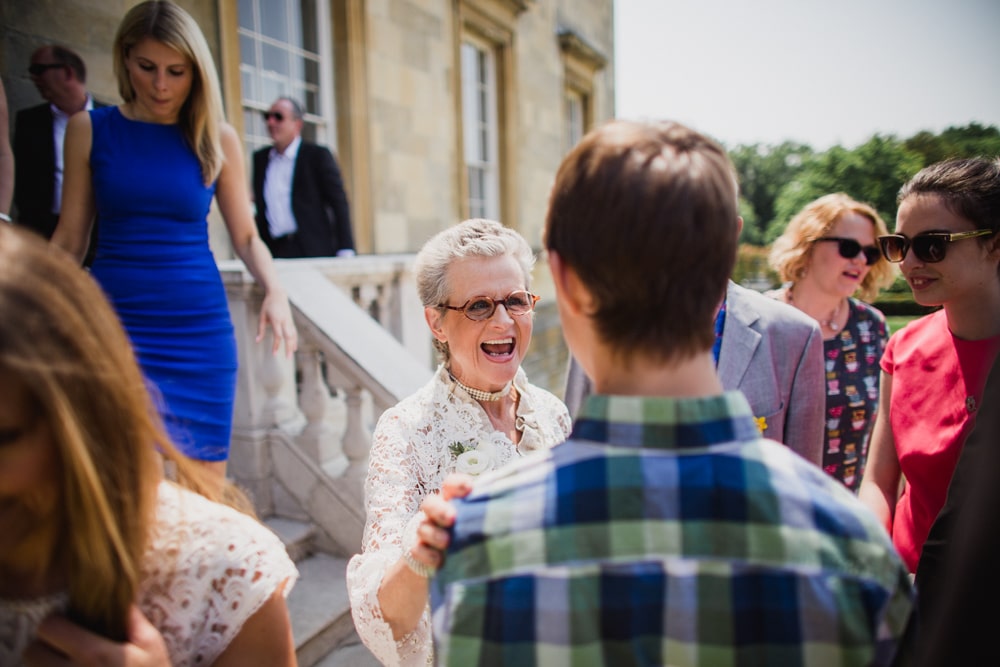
[434,317]
[570,290]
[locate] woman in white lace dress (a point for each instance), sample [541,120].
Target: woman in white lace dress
[101,559]
[477,413]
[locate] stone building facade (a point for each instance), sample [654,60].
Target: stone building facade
[438,110]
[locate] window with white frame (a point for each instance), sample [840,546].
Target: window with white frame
[479,128]
[581,63]
[285,51]
[576,122]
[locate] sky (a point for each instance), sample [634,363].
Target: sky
[820,72]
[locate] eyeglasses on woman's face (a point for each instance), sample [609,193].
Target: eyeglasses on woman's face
[929,247]
[480,308]
[849,248]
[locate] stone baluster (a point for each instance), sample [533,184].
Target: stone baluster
[313,399]
[272,376]
[357,437]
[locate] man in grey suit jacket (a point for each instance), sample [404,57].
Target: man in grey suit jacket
[773,353]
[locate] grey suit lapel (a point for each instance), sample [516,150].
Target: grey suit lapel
[739,339]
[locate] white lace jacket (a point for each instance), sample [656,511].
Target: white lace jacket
[207,570]
[434,432]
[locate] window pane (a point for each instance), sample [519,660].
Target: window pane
[248,52]
[246,14]
[273,19]
[310,33]
[274,59]
[248,80]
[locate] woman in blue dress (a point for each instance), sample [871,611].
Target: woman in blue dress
[148,170]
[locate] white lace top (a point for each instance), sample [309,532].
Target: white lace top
[207,570]
[438,430]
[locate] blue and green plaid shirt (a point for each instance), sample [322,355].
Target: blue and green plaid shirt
[667,532]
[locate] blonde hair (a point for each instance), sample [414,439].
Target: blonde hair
[61,339]
[791,252]
[202,114]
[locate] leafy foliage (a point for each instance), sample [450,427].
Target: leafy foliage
[778,181]
[763,171]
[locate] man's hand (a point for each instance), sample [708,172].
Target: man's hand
[62,643]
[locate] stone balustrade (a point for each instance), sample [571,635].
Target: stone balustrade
[302,425]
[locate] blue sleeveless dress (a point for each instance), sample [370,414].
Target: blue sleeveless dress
[154,263]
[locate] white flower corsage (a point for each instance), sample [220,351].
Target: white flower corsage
[472,459]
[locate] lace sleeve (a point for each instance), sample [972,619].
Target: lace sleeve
[394,489]
[411,454]
[207,570]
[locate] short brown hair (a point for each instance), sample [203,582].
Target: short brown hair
[646,214]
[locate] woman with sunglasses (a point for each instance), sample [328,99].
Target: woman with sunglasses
[826,255]
[477,413]
[934,370]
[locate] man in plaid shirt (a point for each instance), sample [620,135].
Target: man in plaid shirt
[666,530]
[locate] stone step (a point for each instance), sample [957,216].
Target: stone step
[320,609]
[350,655]
[298,536]
[318,603]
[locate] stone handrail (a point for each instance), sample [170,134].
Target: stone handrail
[302,427]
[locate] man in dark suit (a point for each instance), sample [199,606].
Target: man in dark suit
[60,76]
[302,209]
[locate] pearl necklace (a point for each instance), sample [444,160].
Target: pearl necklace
[481,395]
[831,323]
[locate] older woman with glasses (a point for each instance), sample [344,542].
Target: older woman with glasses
[477,413]
[934,370]
[826,255]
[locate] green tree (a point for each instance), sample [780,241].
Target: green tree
[956,142]
[762,171]
[872,173]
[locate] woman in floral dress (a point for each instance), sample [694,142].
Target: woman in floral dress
[477,413]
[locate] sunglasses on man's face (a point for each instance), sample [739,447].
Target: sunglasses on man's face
[480,308]
[929,247]
[849,249]
[276,115]
[37,69]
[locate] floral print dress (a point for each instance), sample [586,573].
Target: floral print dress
[851,360]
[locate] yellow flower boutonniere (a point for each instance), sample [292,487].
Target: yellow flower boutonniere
[761,423]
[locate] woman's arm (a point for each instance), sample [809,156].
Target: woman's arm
[880,484]
[76,218]
[234,202]
[265,639]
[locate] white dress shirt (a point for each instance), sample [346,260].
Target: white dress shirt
[278,189]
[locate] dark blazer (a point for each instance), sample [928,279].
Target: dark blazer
[319,202]
[34,172]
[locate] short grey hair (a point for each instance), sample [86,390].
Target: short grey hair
[472,238]
[476,237]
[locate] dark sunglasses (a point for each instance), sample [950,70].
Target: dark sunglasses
[480,308]
[849,249]
[929,247]
[276,115]
[37,69]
